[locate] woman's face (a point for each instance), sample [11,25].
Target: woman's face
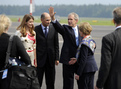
[30,23]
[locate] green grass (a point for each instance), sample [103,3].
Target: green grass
[92,21]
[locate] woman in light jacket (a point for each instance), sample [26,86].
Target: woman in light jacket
[27,35]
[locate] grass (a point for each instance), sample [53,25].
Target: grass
[92,21]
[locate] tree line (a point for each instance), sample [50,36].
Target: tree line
[96,10]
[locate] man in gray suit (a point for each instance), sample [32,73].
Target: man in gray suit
[109,76]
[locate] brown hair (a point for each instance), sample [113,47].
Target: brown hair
[117,15]
[21,27]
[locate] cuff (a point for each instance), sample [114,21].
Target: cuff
[54,21]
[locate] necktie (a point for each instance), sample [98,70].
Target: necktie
[76,36]
[45,31]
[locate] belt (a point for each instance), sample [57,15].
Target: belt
[29,50]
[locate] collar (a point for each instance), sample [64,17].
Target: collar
[44,27]
[89,42]
[75,27]
[118,27]
[87,37]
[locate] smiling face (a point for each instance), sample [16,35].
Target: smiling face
[29,23]
[72,21]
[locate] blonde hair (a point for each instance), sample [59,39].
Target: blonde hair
[21,27]
[5,22]
[85,28]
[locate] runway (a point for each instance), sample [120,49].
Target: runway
[97,34]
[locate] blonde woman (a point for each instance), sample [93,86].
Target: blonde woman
[27,35]
[17,49]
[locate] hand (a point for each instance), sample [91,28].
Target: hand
[72,61]
[77,77]
[35,63]
[56,62]
[52,13]
[96,87]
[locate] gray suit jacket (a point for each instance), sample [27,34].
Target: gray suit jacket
[110,70]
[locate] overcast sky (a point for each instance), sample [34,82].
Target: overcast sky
[59,2]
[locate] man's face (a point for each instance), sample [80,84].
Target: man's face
[46,21]
[71,21]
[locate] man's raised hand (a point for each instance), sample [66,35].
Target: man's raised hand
[52,13]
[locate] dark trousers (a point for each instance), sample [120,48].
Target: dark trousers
[49,75]
[68,76]
[86,81]
[1,73]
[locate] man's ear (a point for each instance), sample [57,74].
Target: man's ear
[77,20]
[113,21]
[41,19]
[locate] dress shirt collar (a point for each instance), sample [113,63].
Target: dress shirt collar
[44,27]
[118,27]
[75,27]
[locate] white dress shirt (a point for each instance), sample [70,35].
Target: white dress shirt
[76,35]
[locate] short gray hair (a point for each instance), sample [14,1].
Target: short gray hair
[117,15]
[76,17]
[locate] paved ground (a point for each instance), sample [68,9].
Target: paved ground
[97,33]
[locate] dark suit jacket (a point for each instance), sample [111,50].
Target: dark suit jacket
[69,47]
[110,70]
[86,61]
[17,49]
[46,47]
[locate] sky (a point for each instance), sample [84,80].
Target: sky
[59,2]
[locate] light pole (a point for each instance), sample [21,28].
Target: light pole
[30,7]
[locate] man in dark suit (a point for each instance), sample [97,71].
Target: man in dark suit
[71,37]
[47,49]
[109,76]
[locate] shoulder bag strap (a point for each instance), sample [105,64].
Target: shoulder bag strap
[8,50]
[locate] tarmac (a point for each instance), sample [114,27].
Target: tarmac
[97,33]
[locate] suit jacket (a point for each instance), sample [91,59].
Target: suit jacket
[86,61]
[46,47]
[69,47]
[110,70]
[17,49]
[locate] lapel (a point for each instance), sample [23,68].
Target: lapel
[43,34]
[40,30]
[49,31]
[80,38]
[72,35]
